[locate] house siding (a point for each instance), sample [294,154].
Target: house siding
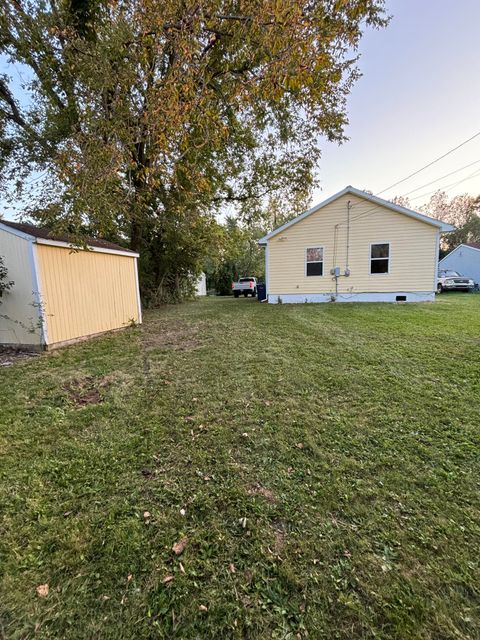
[86,292]
[413,247]
[19,310]
[465,260]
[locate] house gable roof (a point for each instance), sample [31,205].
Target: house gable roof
[469,245]
[44,236]
[442,226]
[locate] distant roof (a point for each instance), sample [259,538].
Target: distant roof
[442,226]
[45,234]
[474,245]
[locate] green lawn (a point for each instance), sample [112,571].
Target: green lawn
[322,461]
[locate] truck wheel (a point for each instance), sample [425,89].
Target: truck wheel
[236,294]
[439,288]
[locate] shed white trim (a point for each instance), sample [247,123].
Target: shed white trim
[16,232]
[58,243]
[460,246]
[443,226]
[37,292]
[139,302]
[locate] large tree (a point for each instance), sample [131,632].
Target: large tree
[142,117]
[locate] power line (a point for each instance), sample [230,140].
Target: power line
[429,164]
[446,188]
[449,186]
[437,179]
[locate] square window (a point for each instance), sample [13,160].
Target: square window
[314,268]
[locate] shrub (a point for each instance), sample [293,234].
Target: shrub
[5,284]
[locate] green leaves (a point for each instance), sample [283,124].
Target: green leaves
[147,116]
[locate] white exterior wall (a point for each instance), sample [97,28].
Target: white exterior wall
[19,308]
[465,260]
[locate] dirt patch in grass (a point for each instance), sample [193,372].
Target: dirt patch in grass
[8,357]
[259,490]
[178,337]
[87,390]
[279,536]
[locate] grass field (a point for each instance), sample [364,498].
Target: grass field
[317,466]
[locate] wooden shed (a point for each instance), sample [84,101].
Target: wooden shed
[61,294]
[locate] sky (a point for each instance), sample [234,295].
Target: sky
[419,97]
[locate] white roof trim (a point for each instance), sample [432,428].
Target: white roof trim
[460,246]
[58,243]
[16,232]
[443,226]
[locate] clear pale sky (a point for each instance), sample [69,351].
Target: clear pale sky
[419,97]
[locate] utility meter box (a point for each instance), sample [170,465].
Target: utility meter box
[335,272]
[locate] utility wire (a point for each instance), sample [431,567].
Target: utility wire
[446,188]
[449,186]
[372,209]
[429,164]
[437,179]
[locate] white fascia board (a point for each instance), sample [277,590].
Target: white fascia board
[460,246]
[16,232]
[443,226]
[137,284]
[72,247]
[37,291]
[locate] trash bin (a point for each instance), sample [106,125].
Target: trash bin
[261,291]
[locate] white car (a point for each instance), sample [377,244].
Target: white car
[453,281]
[247,286]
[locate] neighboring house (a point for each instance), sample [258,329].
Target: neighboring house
[201,285]
[465,259]
[61,294]
[354,247]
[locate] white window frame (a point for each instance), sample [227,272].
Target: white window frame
[373,244]
[316,246]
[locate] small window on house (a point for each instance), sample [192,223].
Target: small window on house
[314,261]
[380,258]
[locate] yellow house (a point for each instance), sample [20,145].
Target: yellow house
[354,247]
[62,295]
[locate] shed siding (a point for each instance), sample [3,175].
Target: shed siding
[19,313]
[465,260]
[86,292]
[413,247]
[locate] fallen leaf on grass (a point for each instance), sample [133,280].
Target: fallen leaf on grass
[182,568]
[179,546]
[299,445]
[231,568]
[167,579]
[42,590]
[202,607]
[146,515]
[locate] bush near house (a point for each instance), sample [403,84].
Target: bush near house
[5,284]
[233,470]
